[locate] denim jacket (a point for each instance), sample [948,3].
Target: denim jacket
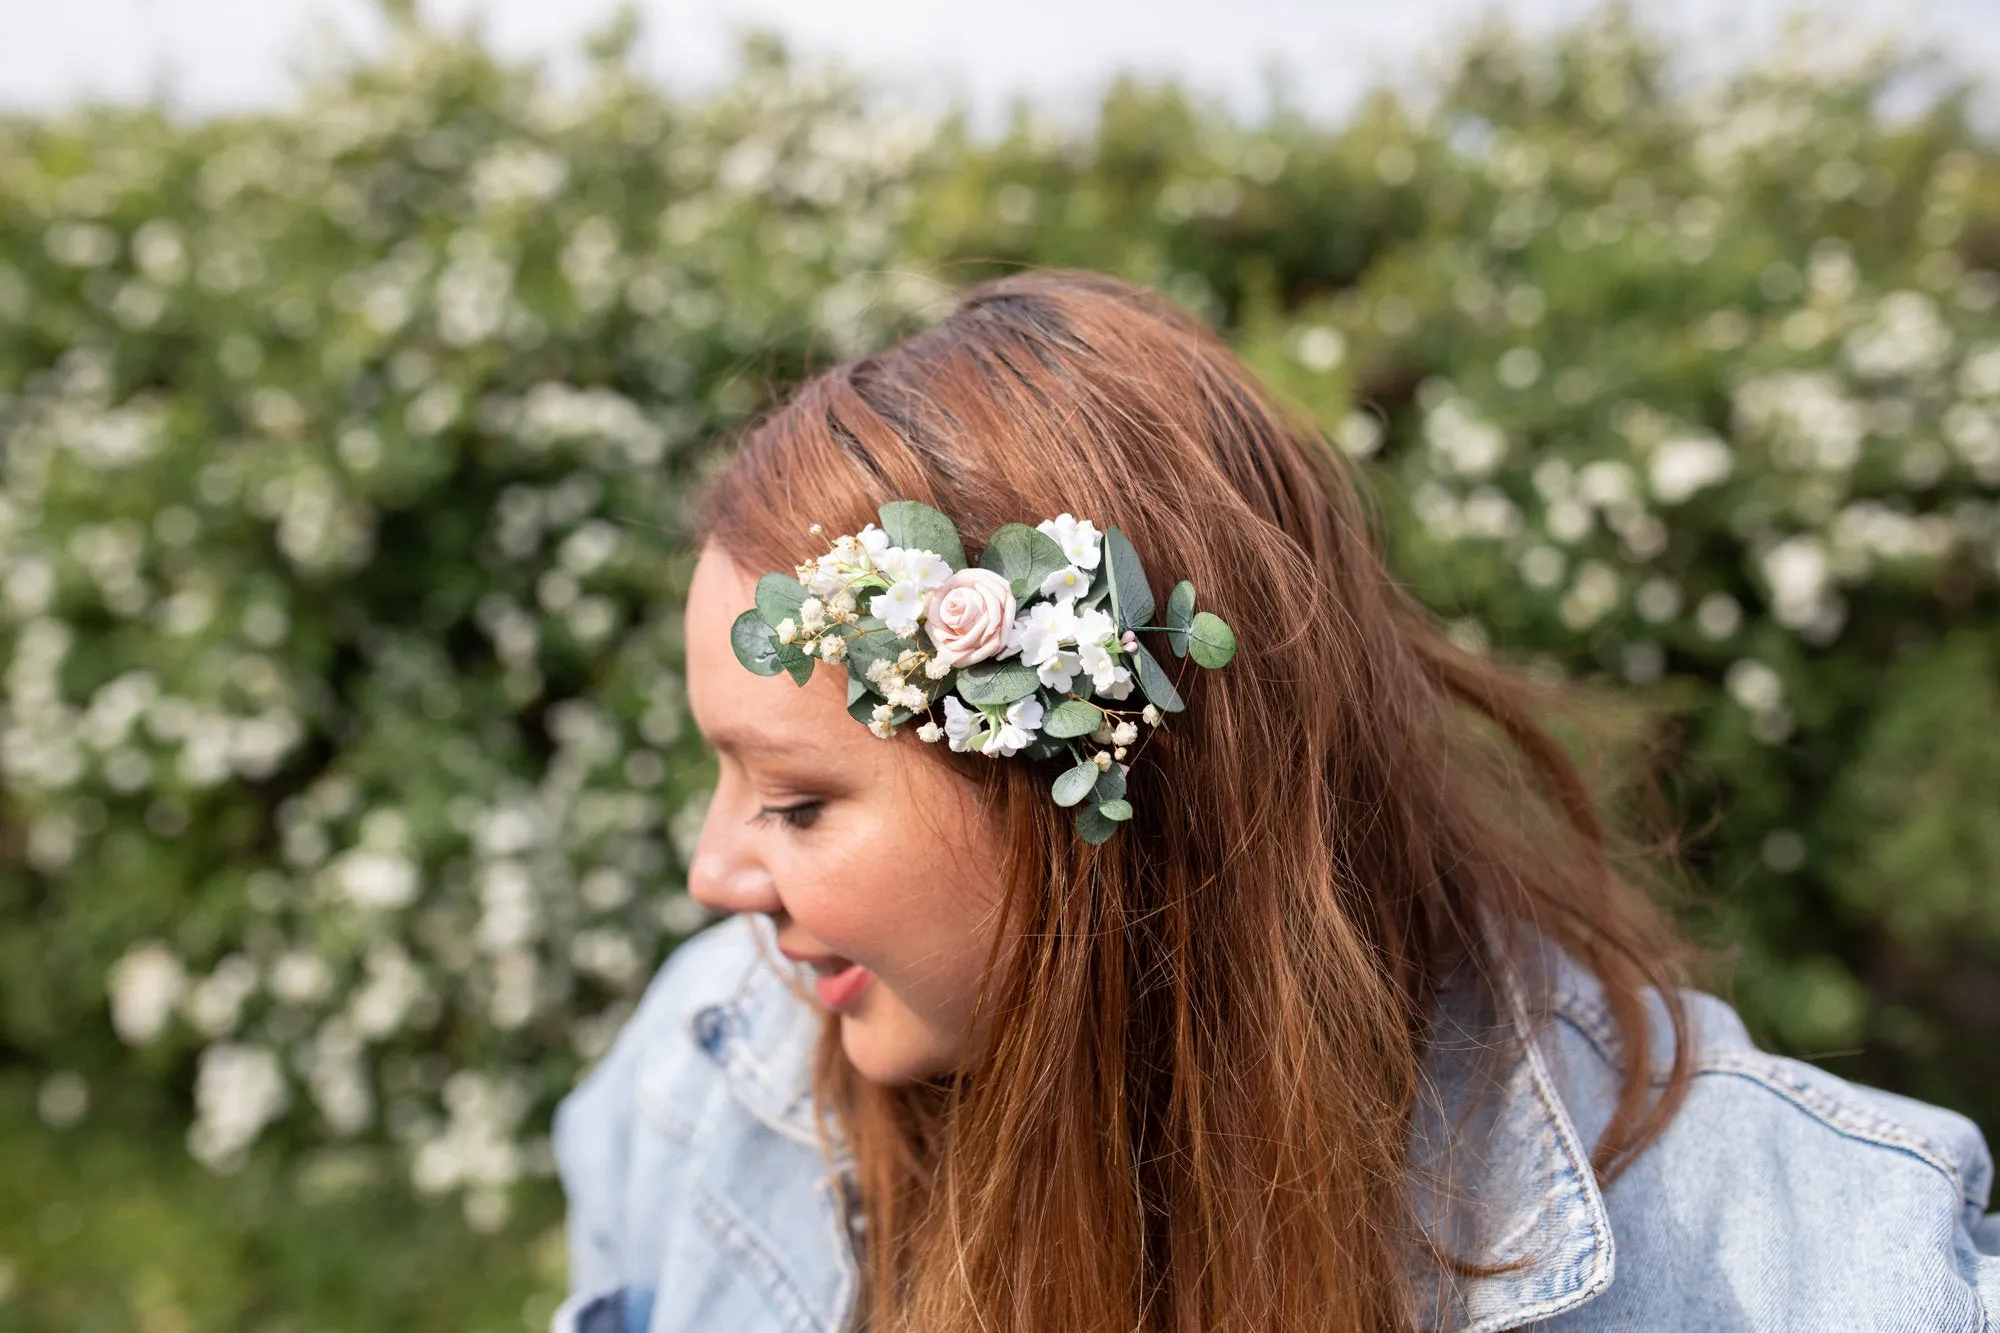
[1779,1197]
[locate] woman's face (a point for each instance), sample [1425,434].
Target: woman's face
[874,861]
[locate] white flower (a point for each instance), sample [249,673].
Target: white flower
[1094,627]
[911,697]
[1151,714]
[1096,661]
[833,648]
[812,615]
[1119,688]
[872,540]
[1688,463]
[828,577]
[938,667]
[883,712]
[899,607]
[1066,584]
[1018,726]
[146,984]
[960,723]
[1124,734]
[882,729]
[809,647]
[879,672]
[1103,761]
[930,733]
[1077,537]
[843,604]
[1040,633]
[902,564]
[1058,671]
[787,630]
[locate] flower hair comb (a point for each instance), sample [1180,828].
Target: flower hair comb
[1027,652]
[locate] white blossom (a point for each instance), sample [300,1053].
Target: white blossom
[1066,584]
[899,608]
[146,983]
[1078,537]
[1017,727]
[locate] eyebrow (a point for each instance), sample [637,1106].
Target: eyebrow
[748,742]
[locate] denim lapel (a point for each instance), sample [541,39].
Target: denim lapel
[763,1036]
[1500,1175]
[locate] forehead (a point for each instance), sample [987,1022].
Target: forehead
[737,709]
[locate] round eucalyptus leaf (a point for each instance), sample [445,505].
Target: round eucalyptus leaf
[1074,784]
[995,682]
[756,644]
[1093,827]
[779,597]
[922,528]
[1180,614]
[1118,811]
[1210,640]
[1071,717]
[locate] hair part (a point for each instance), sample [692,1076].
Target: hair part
[1190,1103]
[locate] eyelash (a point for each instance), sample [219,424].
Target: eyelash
[797,817]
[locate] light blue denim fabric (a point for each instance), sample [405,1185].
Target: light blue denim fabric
[1780,1197]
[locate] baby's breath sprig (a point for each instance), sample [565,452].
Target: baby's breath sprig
[1027,652]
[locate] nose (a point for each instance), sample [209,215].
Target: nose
[726,876]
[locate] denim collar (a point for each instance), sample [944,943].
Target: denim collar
[1502,1177]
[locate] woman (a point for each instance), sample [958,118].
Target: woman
[1352,1024]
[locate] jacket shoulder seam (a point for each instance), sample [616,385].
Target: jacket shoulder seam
[1842,1115]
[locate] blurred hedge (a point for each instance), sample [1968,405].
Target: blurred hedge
[345,780]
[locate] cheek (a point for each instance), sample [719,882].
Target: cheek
[913,901]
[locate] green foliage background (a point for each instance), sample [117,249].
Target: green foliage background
[344,778]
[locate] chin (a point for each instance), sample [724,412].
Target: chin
[892,1049]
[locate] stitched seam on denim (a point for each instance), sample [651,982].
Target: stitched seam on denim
[1850,1120]
[735,1236]
[1841,1117]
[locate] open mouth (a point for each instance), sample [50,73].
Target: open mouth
[840,983]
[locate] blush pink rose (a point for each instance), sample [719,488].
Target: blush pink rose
[968,615]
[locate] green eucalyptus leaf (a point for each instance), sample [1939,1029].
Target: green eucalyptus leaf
[1071,717]
[793,659]
[778,598]
[1024,556]
[1131,595]
[1153,680]
[1093,827]
[1120,810]
[1074,784]
[878,643]
[922,528]
[1211,641]
[1044,746]
[995,682]
[1110,785]
[756,644]
[1180,614]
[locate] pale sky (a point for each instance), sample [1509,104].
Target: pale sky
[227,54]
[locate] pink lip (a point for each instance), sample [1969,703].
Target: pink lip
[839,991]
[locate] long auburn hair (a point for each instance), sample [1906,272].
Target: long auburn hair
[1190,1104]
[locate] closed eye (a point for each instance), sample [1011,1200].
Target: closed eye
[798,816]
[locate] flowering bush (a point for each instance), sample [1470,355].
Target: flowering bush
[345,781]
